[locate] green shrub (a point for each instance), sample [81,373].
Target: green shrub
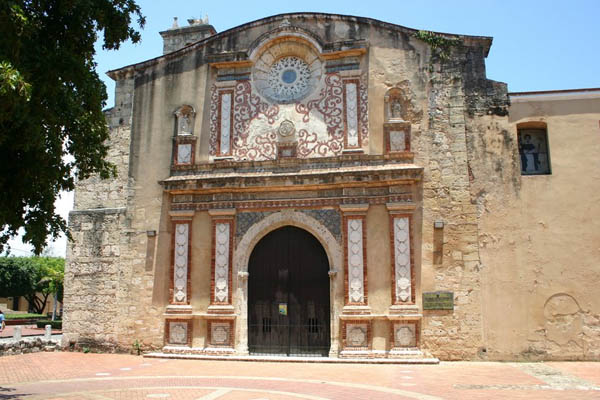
[55,324]
[23,316]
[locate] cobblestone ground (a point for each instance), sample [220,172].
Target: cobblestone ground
[105,376]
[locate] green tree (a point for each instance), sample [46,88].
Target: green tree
[35,278]
[51,101]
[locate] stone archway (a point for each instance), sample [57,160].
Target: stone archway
[241,258]
[288,295]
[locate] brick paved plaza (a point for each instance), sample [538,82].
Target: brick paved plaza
[107,376]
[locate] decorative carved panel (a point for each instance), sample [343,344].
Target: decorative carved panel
[222,251]
[180,263]
[178,332]
[402,260]
[220,333]
[355,260]
[397,136]
[321,120]
[184,153]
[405,335]
[222,235]
[397,140]
[351,100]
[225,131]
[356,335]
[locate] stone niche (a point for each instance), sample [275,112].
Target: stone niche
[184,141]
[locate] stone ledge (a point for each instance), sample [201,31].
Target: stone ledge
[293,359]
[105,211]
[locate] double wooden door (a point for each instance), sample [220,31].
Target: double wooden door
[288,295]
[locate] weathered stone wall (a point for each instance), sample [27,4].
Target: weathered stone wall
[98,225]
[27,346]
[92,278]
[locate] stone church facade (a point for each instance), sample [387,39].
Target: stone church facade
[315,184]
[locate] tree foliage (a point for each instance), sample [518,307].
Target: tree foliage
[34,278]
[51,101]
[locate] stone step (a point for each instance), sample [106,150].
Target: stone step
[294,359]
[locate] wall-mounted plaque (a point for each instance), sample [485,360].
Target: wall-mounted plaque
[438,301]
[282,308]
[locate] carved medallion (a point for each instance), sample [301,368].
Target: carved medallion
[286,128]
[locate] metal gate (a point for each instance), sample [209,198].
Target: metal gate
[288,295]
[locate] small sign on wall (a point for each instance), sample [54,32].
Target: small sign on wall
[282,308]
[438,300]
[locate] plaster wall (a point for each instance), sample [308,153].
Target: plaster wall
[538,243]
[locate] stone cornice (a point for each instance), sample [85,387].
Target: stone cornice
[129,70]
[293,179]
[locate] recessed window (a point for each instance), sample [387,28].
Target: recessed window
[533,151]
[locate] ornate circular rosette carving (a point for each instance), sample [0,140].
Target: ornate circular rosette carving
[288,79]
[286,128]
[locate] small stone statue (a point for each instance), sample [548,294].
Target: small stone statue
[184,127]
[396,109]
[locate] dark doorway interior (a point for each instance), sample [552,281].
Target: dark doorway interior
[288,295]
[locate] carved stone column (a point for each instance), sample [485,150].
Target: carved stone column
[178,323]
[402,256]
[221,288]
[180,288]
[355,258]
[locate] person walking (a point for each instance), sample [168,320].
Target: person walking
[2,323]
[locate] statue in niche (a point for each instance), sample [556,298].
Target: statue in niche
[185,125]
[185,120]
[396,109]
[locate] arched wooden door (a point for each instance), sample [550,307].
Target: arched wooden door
[288,295]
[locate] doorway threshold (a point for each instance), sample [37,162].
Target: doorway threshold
[293,359]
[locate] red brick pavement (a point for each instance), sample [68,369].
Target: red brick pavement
[105,376]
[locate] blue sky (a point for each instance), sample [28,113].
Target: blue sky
[538,45]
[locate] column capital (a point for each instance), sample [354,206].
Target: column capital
[222,212]
[182,215]
[354,209]
[401,207]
